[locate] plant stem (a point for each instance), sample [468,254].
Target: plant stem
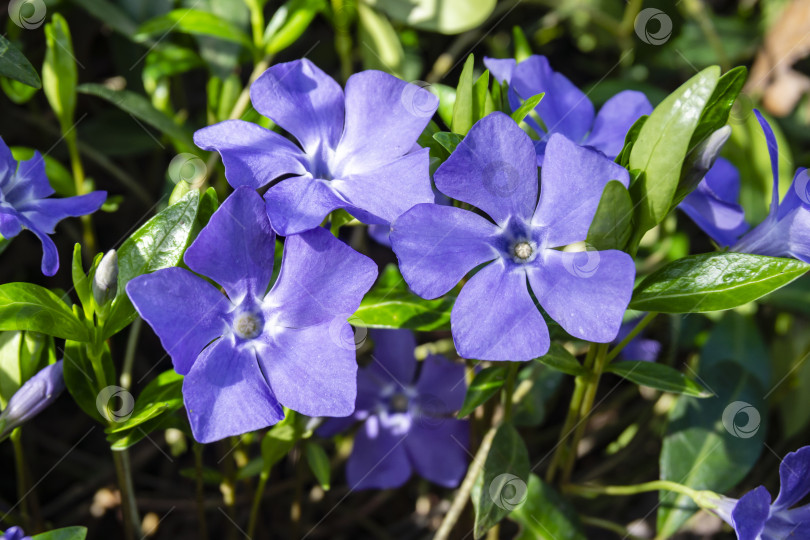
[78,178]
[700,497]
[22,477]
[614,352]
[129,354]
[132,527]
[257,502]
[509,390]
[200,489]
[609,526]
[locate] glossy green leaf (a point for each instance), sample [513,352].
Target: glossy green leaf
[25,306]
[560,359]
[713,282]
[463,106]
[447,16]
[630,139]
[448,140]
[127,439]
[390,304]
[658,376]
[611,225]
[482,100]
[502,484]
[159,243]
[59,74]
[67,533]
[545,515]
[163,395]
[16,91]
[526,107]
[14,65]
[195,22]
[663,143]
[319,464]
[715,113]
[140,108]
[81,379]
[485,384]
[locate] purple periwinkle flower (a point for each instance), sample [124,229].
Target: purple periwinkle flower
[25,203]
[14,533]
[714,206]
[247,354]
[565,109]
[357,151]
[756,517]
[495,317]
[406,418]
[33,396]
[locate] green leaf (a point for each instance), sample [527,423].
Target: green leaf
[194,22]
[14,65]
[67,533]
[163,395]
[502,484]
[611,225]
[81,283]
[25,306]
[485,384]
[630,139]
[446,17]
[662,145]
[59,71]
[482,100]
[390,304]
[159,243]
[16,91]
[448,140]
[297,16]
[560,359]
[111,15]
[658,376]
[707,445]
[715,113]
[127,439]
[447,101]
[463,106]
[545,515]
[526,107]
[319,464]
[281,438]
[22,355]
[380,46]
[140,108]
[81,379]
[713,282]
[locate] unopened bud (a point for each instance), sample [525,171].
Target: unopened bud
[105,281]
[33,396]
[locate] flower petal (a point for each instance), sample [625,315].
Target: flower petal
[378,459]
[322,280]
[750,514]
[8,165]
[236,247]
[587,292]
[384,117]
[501,68]
[301,203]
[185,311]
[572,180]
[773,152]
[494,317]
[30,182]
[10,225]
[50,256]
[565,108]
[494,168]
[615,119]
[46,213]
[439,453]
[332,426]
[309,371]
[438,245]
[798,195]
[253,156]
[385,193]
[794,479]
[303,100]
[393,358]
[225,394]
[442,384]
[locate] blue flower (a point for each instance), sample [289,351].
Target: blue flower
[357,152]
[406,419]
[24,204]
[565,109]
[756,517]
[14,533]
[639,348]
[515,238]
[247,354]
[33,396]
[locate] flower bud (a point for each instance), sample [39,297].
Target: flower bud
[33,396]
[105,280]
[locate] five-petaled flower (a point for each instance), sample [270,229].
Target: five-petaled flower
[565,109]
[25,203]
[357,152]
[246,354]
[407,419]
[756,517]
[495,317]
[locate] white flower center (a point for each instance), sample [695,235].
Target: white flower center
[524,251]
[248,325]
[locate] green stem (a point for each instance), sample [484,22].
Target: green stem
[608,526]
[702,498]
[257,503]
[614,352]
[129,354]
[343,38]
[22,477]
[78,178]
[132,527]
[509,390]
[200,489]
